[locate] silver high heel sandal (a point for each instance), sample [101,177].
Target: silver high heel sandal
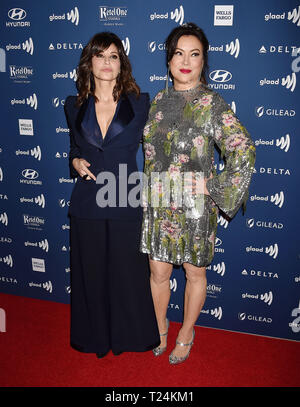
[158,350]
[174,360]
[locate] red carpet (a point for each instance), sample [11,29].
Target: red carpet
[35,352]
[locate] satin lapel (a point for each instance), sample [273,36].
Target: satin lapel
[123,117]
[87,124]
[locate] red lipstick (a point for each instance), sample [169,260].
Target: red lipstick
[185,70]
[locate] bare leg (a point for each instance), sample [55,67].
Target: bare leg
[160,288]
[194,298]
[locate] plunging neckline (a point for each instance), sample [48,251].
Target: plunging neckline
[113,118]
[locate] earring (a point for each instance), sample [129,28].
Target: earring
[167,81]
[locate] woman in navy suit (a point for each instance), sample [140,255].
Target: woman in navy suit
[111,303]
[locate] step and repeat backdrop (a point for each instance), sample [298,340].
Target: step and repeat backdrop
[254,63]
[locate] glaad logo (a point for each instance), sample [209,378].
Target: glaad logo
[177,15]
[272,250]
[126,45]
[222,221]
[34,152]
[28,46]
[39,200]
[295,325]
[72,75]
[233,48]
[17,15]
[43,244]
[154,78]
[293,15]
[220,268]
[277,198]
[72,16]
[216,312]
[266,297]
[8,260]
[47,285]
[289,82]
[173,285]
[25,46]
[4,218]
[30,101]
[2,320]
[283,143]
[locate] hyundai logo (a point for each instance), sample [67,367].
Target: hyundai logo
[30,174]
[220,75]
[17,14]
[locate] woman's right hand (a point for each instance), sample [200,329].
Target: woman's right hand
[81,166]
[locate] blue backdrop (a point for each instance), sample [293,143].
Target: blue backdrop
[253,282]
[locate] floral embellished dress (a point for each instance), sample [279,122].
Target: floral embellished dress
[179,140]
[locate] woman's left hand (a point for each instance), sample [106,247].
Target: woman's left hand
[198,186]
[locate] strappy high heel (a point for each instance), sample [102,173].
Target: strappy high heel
[175,360]
[158,350]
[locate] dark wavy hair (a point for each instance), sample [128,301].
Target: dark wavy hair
[188,29]
[85,80]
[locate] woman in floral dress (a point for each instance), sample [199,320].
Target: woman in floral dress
[183,192]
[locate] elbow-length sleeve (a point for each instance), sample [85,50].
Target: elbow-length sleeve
[74,149]
[229,189]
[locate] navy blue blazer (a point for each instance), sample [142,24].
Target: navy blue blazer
[119,146]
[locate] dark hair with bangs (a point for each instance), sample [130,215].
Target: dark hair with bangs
[85,79]
[188,29]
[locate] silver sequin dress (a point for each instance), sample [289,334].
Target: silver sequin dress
[179,140]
